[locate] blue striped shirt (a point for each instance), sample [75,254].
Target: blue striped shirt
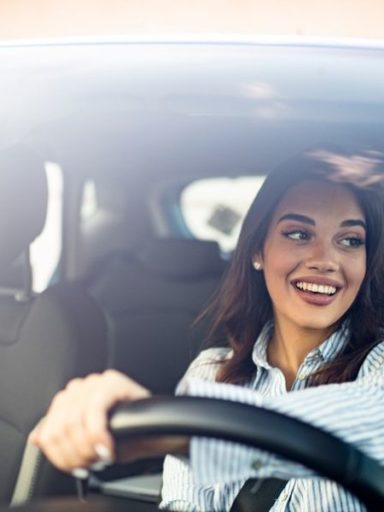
[213,476]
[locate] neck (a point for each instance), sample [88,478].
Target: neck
[290,345]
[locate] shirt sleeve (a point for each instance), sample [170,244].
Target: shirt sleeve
[353,411]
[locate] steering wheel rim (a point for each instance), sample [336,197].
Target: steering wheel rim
[254,427]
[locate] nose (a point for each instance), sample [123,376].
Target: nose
[322,259]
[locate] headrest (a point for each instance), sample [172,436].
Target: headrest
[181,258]
[23,201]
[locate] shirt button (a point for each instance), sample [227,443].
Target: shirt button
[257,464]
[284,496]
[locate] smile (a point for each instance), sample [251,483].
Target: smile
[316,288]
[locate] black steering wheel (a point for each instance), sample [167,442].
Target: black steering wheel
[232,421]
[256,427]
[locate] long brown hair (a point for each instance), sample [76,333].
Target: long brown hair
[243,306]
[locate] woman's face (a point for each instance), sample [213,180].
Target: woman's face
[314,256]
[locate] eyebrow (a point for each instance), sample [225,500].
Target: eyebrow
[353,222]
[307,220]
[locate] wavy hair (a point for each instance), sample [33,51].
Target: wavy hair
[242,306]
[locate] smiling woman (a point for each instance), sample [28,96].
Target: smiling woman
[307,229]
[313,263]
[301,306]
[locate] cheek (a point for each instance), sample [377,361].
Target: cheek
[356,274]
[277,268]
[361,275]
[279,257]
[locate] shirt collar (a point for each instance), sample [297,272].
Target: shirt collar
[335,343]
[259,353]
[328,350]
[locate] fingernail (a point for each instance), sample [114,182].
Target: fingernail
[98,466]
[103,453]
[80,473]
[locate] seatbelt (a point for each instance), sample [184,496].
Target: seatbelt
[29,467]
[258,495]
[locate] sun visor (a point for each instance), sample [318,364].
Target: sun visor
[23,201]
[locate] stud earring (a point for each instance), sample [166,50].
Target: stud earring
[256,265]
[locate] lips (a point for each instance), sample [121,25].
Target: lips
[316,290]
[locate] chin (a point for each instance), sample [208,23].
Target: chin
[320,325]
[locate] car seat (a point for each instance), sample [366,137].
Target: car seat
[152,297]
[45,339]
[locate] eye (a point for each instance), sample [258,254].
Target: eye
[298,234]
[352,241]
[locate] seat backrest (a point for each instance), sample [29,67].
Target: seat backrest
[152,298]
[45,339]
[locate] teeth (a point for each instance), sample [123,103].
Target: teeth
[316,288]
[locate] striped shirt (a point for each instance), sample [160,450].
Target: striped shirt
[213,476]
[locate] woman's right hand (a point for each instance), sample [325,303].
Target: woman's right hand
[74,433]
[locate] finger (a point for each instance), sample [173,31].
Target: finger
[96,426]
[115,387]
[61,435]
[61,452]
[82,449]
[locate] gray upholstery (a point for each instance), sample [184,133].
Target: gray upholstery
[152,299]
[45,340]
[181,258]
[17,276]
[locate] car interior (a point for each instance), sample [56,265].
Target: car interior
[43,336]
[129,128]
[151,295]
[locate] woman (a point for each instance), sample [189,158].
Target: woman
[301,306]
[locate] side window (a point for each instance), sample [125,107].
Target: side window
[89,205]
[213,209]
[46,249]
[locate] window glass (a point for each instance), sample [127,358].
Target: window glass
[46,249]
[89,201]
[213,209]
